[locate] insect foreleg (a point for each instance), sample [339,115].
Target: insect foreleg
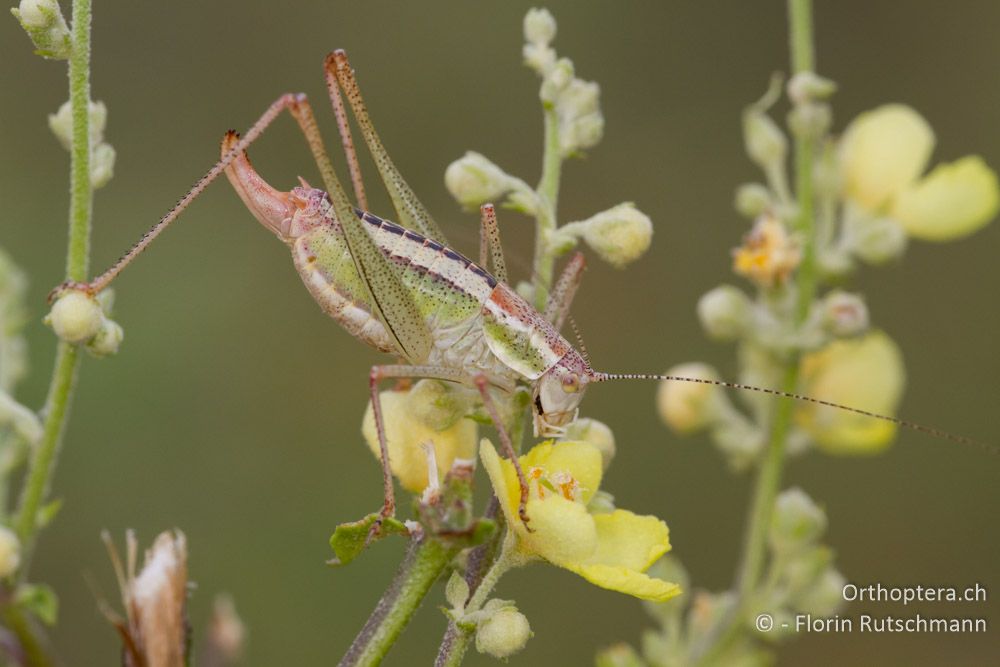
[489,242]
[562,294]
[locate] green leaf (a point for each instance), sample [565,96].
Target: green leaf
[457,590]
[350,539]
[38,599]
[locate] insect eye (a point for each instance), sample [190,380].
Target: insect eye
[571,384]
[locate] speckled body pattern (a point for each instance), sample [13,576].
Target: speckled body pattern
[478,325]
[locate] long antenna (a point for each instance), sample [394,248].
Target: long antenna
[929,430]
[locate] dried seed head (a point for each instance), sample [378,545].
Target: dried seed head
[157,599]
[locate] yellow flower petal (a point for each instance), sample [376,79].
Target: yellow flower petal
[579,459]
[629,540]
[954,200]
[405,434]
[503,478]
[563,532]
[628,581]
[882,152]
[865,373]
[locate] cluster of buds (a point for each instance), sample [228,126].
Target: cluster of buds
[46,26]
[102,154]
[81,319]
[501,630]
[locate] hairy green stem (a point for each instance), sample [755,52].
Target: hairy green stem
[425,560]
[458,637]
[548,194]
[77,257]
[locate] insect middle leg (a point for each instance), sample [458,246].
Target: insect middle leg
[482,382]
[489,242]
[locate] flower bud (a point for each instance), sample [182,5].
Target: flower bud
[75,317]
[503,634]
[765,142]
[473,180]
[102,165]
[878,241]
[10,552]
[807,87]
[825,596]
[596,433]
[797,521]
[557,79]
[725,312]
[619,655]
[687,407]
[23,421]
[539,57]
[107,340]
[844,314]
[581,124]
[539,26]
[810,120]
[753,199]
[620,235]
[61,123]
[45,25]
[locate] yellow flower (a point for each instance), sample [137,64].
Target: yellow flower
[882,154]
[768,254]
[611,550]
[865,373]
[409,424]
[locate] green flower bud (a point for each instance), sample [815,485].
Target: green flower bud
[725,312]
[764,141]
[75,317]
[539,26]
[474,180]
[810,120]
[620,235]
[22,420]
[687,407]
[878,241]
[844,314]
[807,87]
[825,597]
[596,433]
[753,199]
[107,340]
[61,123]
[539,57]
[797,521]
[557,79]
[45,25]
[619,655]
[10,551]
[102,165]
[503,634]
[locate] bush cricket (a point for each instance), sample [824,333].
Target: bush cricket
[402,290]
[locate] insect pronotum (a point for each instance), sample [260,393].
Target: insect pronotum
[402,290]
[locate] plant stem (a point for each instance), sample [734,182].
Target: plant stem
[425,560]
[77,257]
[548,194]
[769,474]
[457,638]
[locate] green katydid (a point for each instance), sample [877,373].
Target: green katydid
[402,290]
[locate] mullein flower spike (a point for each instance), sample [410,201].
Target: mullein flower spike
[612,550]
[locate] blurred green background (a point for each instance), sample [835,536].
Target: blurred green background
[234,407]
